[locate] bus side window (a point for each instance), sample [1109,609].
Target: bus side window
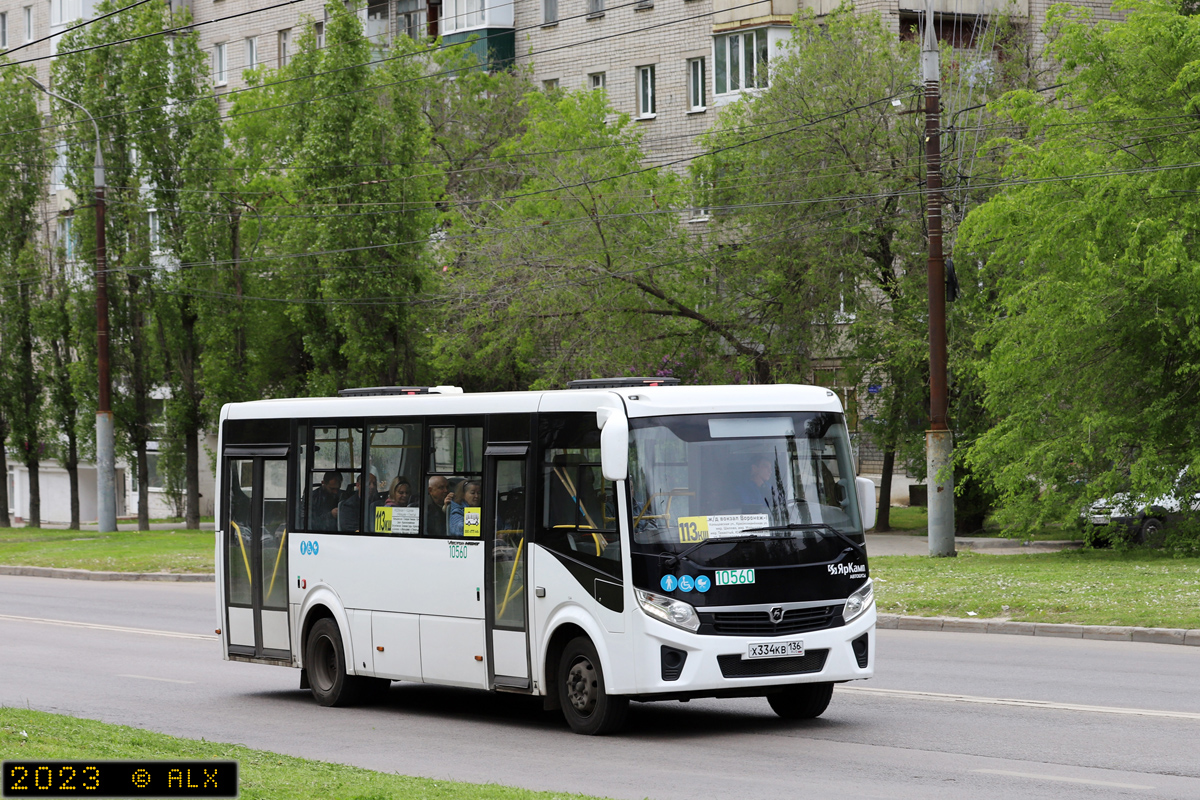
[394,457]
[335,458]
[578,515]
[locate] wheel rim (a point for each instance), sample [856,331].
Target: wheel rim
[324,665]
[583,686]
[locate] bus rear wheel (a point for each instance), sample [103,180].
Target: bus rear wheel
[801,700]
[325,662]
[589,709]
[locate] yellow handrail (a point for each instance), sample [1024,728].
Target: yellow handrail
[569,485]
[278,555]
[245,557]
[511,575]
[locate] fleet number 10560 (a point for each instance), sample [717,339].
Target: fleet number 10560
[734,577]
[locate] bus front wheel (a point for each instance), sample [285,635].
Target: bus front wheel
[801,700]
[589,709]
[325,663]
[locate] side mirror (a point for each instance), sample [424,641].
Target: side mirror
[614,447]
[866,501]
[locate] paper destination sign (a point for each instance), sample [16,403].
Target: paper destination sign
[697,529]
[398,519]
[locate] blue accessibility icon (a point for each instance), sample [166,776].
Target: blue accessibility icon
[668,583]
[703,584]
[686,584]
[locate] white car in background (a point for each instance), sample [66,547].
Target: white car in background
[1144,522]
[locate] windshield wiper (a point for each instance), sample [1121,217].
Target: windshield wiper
[675,558]
[812,526]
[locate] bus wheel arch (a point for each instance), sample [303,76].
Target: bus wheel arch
[582,695]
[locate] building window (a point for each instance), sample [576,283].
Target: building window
[642,5]
[377,25]
[65,11]
[549,12]
[597,80]
[696,85]
[702,190]
[412,18]
[3,31]
[220,78]
[458,15]
[595,8]
[152,224]
[29,23]
[251,52]
[550,85]
[66,238]
[285,41]
[319,30]
[58,176]
[645,92]
[741,61]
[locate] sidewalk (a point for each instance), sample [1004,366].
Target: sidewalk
[904,544]
[123,525]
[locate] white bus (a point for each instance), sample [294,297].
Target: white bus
[619,540]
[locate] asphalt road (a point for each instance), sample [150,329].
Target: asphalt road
[950,715]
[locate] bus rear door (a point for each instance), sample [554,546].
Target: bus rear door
[256,563]
[506,523]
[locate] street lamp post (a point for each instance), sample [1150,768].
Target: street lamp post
[106,489]
[939,439]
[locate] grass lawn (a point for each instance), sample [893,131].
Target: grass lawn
[127,551]
[34,734]
[1096,587]
[915,520]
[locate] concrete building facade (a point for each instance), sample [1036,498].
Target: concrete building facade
[669,64]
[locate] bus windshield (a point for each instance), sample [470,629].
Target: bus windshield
[785,477]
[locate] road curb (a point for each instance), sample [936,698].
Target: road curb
[1114,633]
[95,575]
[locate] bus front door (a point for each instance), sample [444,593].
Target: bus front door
[505,525]
[256,568]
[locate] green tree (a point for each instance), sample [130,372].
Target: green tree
[1092,252]
[580,267]
[816,188]
[110,82]
[21,180]
[353,201]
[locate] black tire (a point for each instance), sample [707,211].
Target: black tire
[1151,533]
[325,663]
[801,700]
[589,709]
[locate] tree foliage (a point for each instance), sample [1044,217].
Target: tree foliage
[1092,252]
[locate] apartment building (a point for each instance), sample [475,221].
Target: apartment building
[669,64]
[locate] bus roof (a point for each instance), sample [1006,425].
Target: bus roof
[642,401]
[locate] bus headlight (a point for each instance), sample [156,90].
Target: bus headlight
[858,602]
[669,610]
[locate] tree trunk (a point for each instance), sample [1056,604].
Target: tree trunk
[143,471]
[191,471]
[883,518]
[5,520]
[72,466]
[33,463]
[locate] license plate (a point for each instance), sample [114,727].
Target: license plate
[1099,520]
[794,647]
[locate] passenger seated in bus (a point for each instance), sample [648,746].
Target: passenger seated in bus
[323,507]
[470,491]
[400,493]
[437,500]
[350,508]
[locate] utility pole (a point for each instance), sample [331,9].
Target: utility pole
[939,439]
[106,484]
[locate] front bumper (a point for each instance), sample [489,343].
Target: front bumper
[717,664]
